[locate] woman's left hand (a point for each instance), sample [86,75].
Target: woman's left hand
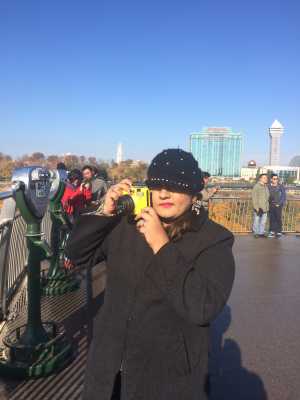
[148,223]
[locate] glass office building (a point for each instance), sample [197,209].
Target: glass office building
[218,151]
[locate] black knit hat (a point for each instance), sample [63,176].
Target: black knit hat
[175,169]
[75,174]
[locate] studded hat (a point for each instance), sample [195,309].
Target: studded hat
[176,170]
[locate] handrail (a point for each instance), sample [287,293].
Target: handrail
[235,213]
[9,193]
[6,195]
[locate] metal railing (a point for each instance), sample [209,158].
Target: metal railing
[236,214]
[13,254]
[15,267]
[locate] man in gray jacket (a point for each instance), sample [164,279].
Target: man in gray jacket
[99,187]
[260,200]
[207,193]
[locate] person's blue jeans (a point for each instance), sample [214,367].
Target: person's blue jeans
[259,223]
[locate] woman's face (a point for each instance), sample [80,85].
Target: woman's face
[169,204]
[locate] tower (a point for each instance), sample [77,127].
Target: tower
[275,132]
[119,157]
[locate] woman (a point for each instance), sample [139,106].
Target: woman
[76,196]
[168,276]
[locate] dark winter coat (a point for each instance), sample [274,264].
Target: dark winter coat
[277,195]
[157,308]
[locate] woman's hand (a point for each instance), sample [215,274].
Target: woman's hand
[112,195]
[148,223]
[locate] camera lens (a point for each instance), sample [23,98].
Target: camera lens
[125,205]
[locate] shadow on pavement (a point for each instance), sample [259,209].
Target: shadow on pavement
[229,380]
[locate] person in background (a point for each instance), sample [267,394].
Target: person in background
[260,200]
[76,196]
[277,200]
[61,165]
[98,185]
[207,193]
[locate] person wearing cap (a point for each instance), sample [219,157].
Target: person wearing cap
[169,274]
[76,196]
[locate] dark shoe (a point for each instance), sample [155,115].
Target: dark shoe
[271,234]
[256,236]
[279,234]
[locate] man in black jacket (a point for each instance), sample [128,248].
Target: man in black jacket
[168,276]
[277,200]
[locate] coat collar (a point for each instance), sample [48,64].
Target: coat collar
[199,219]
[204,234]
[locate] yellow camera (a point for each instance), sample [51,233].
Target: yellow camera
[133,202]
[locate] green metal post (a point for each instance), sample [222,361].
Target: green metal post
[34,332]
[58,280]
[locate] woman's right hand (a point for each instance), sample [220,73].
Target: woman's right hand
[112,195]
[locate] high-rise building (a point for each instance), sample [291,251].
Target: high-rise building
[119,157]
[218,151]
[275,132]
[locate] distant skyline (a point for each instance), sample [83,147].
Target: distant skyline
[82,77]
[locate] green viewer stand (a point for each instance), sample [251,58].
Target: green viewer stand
[38,348]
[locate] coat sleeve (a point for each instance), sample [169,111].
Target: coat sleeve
[254,196]
[283,200]
[199,290]
[88,241]
[205,195]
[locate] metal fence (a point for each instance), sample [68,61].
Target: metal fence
[13,255]
[236,214]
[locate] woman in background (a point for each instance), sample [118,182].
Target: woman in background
[76,196]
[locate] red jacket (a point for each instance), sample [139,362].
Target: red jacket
[75,199]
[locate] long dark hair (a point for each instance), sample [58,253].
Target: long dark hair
[183,224]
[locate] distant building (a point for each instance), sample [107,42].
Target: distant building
[295,162]
[275,131]
[283,172]
[252,164]
[119,157]
[250,172]
[218,151]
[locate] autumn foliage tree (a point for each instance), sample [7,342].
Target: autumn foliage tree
[6,166]
[128,169]
[136,170]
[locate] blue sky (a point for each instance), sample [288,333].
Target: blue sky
[80,76]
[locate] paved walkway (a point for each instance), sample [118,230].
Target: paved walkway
[256,346]
[256,343]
